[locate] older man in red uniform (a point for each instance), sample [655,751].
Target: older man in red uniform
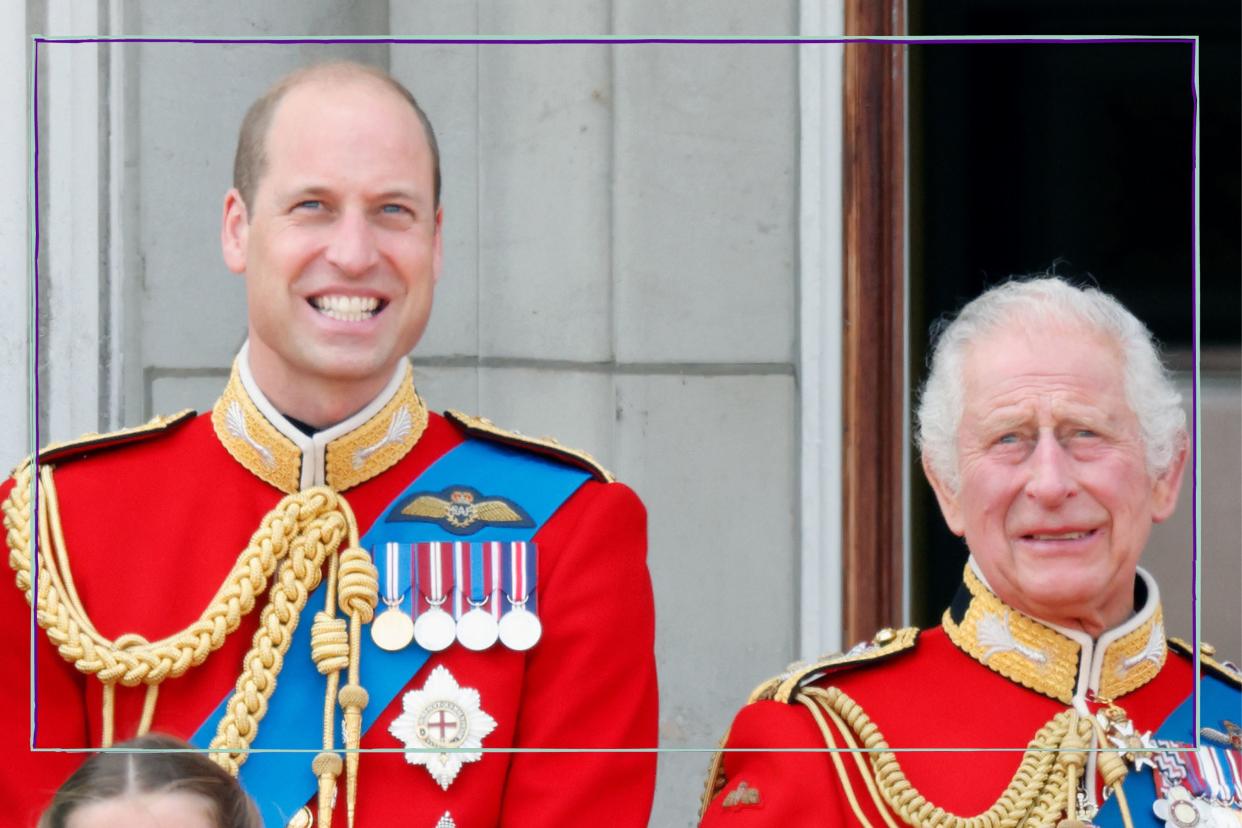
[1053,440]
[320,563]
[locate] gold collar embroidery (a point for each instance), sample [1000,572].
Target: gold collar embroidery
[340,457]
[1057,662]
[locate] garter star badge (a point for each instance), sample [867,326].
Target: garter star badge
[443,715]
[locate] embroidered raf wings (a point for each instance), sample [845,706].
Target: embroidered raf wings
[461,510]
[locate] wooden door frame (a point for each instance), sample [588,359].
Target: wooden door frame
[874,318]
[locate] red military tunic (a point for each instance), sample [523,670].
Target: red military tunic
[153,522]
[983,684]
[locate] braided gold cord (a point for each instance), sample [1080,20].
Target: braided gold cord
[296,578]
[359,595]
[293,542]
[842,775]
[330,652]
[133,662]
[1035,796]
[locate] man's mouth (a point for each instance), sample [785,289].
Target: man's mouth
[1059,536]
[347,308]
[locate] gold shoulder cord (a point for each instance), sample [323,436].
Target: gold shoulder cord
[1045,784]
[293,541]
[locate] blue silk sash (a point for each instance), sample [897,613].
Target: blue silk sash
[277,773]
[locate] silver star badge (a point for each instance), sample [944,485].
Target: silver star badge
[442,726]
[1135,745]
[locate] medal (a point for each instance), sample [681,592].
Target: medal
[477,630]
[519,626]
[443,716]
[392,630]
[479,565]
[433,628]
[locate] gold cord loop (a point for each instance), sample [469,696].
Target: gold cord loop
[1035,796]
[290,547]
[329,643]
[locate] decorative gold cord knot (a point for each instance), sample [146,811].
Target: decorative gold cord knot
[329,643]
[359,584]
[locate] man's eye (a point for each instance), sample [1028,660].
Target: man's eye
[394,209]
[1007,439]
[1085,433]
[309,204]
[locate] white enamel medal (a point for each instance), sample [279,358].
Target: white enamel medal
[477,629]
[392,630]
[434,628]
[442,715]
[478,582]
[520,628]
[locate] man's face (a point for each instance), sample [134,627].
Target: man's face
[1055,500]
[341,247]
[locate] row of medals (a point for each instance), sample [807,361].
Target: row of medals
[477,629]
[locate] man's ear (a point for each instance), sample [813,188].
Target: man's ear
[1164,489]
[234,231]
[438,253]
[946,496]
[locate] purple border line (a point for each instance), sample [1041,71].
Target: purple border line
[621,40]
[1192,40]
[34,449]
[1196,563]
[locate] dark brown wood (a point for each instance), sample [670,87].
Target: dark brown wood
[874,370]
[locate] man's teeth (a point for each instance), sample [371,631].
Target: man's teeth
[1062,536]
[346,308]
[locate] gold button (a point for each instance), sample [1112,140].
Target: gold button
[885,635]
[1207,649]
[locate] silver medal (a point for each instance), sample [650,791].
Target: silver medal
[434,630]
[520,628]
[392,630]
[477,630]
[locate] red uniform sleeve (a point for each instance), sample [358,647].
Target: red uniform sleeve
[28,779]
[777,773]
[591,682]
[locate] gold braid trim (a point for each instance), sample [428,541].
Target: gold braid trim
[298,576]
[130,660]
[1038,795]
[303,531]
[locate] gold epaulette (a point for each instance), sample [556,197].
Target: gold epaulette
[485,429]
[1220,669]
[89,443]
[886,643]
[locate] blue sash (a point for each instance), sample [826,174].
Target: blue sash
[281,782]
[1217,700]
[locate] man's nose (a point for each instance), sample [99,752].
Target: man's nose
[352,248]
[1051,480]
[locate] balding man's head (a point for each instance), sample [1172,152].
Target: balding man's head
[250,160]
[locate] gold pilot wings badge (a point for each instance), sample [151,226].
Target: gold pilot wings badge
[461,510]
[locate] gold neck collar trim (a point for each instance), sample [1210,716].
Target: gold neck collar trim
[1061,663]
[342,456]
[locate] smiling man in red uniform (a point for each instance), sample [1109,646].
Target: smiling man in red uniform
[1053,439]
[321,563]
